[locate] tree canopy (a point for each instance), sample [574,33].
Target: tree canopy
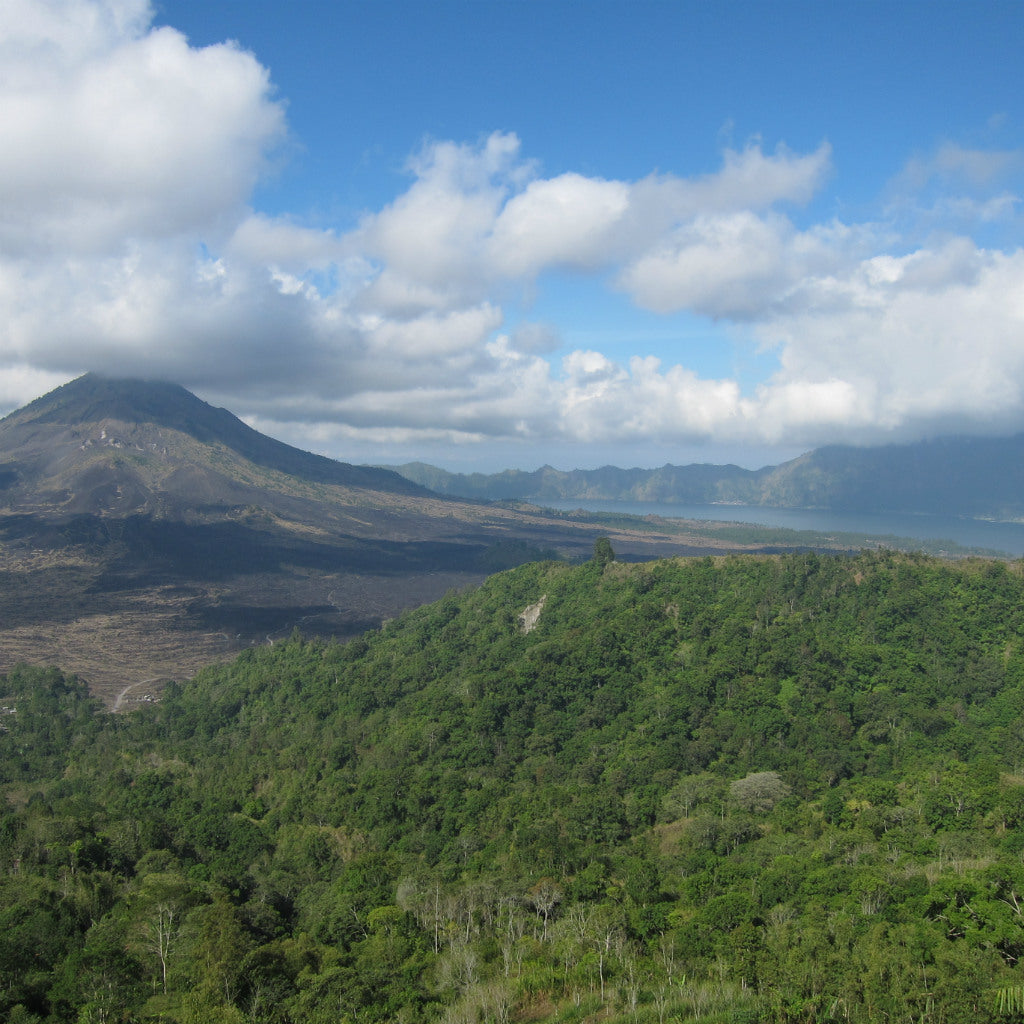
[746,788]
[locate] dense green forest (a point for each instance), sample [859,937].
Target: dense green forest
[735,789]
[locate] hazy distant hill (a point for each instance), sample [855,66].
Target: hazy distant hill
[951,476]
[697,483]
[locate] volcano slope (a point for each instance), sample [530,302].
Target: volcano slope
[144,534]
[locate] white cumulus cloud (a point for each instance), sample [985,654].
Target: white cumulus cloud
[120,133]
[128,159]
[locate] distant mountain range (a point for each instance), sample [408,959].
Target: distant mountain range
[958,476]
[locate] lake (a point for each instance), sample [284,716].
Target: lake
[974,533]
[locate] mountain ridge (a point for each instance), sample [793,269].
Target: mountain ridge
[960,476]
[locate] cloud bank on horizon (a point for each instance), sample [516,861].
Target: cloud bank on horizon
[129,245]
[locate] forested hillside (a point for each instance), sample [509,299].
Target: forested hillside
[738,789]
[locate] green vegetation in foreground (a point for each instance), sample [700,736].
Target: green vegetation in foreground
[740,789]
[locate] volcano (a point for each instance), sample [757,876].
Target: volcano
[120,447]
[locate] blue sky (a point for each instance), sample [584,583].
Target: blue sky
[488,234]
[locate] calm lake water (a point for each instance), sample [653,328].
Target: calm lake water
[975,533]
